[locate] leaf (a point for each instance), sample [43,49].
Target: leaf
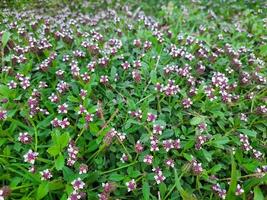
[248,132]
[216,168]
[93,176]
[184,194]
[116,177]
[5,38]
[258,194]
[68,174]
[153,76]
[59,163]
[42,190]
[145,190]
[162,189]
[196,120]
[64,139]
[232,187]
[54,150]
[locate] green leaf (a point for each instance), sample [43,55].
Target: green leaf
[59,163]
[64,139]
[248,132]
[5,38]
[162,189]
[153,76]
[54,150]
[116,177]
[93,177]
[68,174]
[232,188]
[258,194]
[196,120]
[145,190]
[42,190]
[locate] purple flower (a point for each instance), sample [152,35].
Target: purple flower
[131,185]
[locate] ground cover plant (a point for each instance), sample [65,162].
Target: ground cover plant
[133,99]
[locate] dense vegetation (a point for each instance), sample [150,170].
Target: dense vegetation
[133,99]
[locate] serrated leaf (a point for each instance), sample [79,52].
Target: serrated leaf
[248,132]
[196,120]
[145,190]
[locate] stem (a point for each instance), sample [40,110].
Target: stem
[35,135]
[242,177]
[124,166]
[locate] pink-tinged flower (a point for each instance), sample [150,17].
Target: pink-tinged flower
[81,110]
[136,76]
[3,114]
[125,65]
[83,169]
[83,94]
[64,123]
[121,136]
[202,127]
[46,174]
[131,185]
[187,103]
[151,117]
[176,144]
[170,162]
[25,138]
[220,192]
[60,73]
[72,153]
[85,77]
[139,147]
[167,144]
[30,157]
[154,143]
[137,114]
[32,169]
[62,108]
[137,43]
[53,98]
[108,187]
[25,82]
[103,196]
[245,142]
[124,158]
[55,122]
[157,129]
[243,117]
[104,79]
[159,177]
[257,154]
[239,190]
[91,66]
[78,184]
[197,167]
[137,64]
[12,85]
[201,139]
[62,87]
[148,159]
[89,117]
[75,195]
